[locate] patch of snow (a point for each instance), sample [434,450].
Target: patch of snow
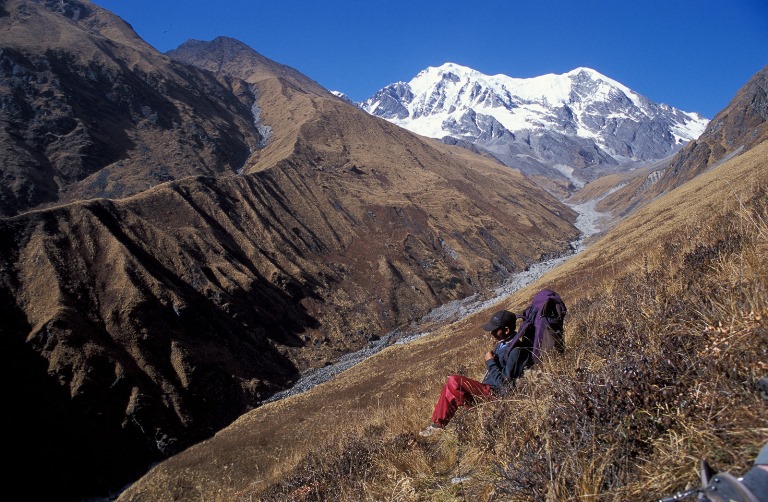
[444,94]
[605,89]
[568,171]
[265,131]
[430,126]
[691,129]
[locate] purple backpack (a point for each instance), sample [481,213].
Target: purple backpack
[542,327]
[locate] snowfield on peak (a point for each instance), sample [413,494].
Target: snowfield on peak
[578,119]
[448,91]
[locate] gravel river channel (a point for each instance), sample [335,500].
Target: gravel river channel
[589,222]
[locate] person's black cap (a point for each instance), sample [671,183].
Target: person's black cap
[501,319]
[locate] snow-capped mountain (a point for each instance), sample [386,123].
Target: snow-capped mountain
[343,96]
[569,125]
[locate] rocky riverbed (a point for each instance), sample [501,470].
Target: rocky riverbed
[589,221]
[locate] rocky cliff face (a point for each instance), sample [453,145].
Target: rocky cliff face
[740,126]
[737,128]
[289,228]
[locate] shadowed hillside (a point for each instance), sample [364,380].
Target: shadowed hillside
[139,325]
[90,110]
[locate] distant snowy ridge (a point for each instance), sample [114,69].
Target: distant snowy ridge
[553,124]
[343,96]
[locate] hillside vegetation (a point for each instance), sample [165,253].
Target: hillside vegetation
[179,245]
[659,374]
[666,336]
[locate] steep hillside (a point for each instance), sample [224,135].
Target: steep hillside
[88,109]
[137,326]
[624,416]
[739,127]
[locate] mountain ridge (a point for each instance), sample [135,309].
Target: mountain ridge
[85,115]
[149,307]
[739,126]
[561,126]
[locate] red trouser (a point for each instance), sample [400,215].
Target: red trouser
[457,391]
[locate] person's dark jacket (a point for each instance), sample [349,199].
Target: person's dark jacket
[507,365]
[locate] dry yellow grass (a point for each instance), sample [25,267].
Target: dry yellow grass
[653,382]
[646,282]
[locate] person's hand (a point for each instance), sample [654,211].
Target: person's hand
[489,355]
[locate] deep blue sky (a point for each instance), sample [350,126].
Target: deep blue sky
[694,55]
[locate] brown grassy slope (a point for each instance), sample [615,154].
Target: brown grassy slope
[152,321]
[229,56]
[90,110]
[286,99]
[599,187]
[660,373]
[684,215]
[353,156]
[664,356]
[174,311]
[378,171]
[613,183]
[375,407]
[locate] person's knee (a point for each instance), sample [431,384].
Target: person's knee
[453,382]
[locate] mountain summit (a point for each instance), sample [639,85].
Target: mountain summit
[555,125]
[90,110]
